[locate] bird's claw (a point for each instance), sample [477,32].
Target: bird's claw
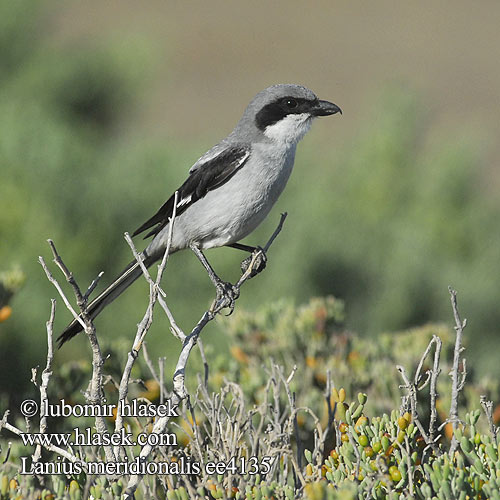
[225,298]
[257,260]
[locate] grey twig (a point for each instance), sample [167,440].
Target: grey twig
[457,378]
[67,274]
[174,328]
[149,362]
[276,231]
[163,392]
[155,292]
[433,389]
[50,447]
[61,293]
[488,411]
[205,363]
[180,392]
[412,395]
[251,270]
[409,466]
[46,374]
[432,376]
[92,286]
[95,393]
[293,415]
[158,378]
[142,329]
[178,395]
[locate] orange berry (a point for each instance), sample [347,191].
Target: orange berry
[343,427]
[5,313]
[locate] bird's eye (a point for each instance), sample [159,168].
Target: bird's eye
[291,103]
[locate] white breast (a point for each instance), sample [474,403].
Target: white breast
[290,129]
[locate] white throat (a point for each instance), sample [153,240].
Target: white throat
[290,129]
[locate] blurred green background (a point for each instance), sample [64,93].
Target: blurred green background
[105,105]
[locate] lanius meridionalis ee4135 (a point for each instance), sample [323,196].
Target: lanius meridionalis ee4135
[230,189]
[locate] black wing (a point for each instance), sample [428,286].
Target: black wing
[211,171]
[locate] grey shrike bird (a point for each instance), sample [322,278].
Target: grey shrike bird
[230,189]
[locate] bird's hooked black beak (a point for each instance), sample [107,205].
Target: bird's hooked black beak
[325,108]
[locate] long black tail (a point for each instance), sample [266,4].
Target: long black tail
[126,278]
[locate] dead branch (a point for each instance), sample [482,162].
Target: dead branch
[488,411]
[94,394]
[143,327]
[457,376]
[46,374]
[180,392]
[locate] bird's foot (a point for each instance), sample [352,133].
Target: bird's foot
[254,263]
[225,298]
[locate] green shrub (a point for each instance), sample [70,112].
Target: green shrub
[291,393]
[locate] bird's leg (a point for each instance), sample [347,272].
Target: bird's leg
[226,292]
[240,246]
[257,260]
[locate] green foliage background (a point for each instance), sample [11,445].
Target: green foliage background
[385,224]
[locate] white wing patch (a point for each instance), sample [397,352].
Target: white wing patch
[184,201]
[243,159]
